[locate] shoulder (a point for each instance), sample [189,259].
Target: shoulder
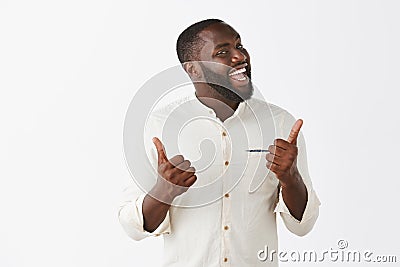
[278,113]
[163,109]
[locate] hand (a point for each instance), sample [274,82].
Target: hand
[176,171]
[282,157]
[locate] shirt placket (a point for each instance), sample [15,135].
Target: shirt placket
[226,224]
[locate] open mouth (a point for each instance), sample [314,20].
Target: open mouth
[239,74]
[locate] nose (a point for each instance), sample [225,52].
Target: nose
[238,56]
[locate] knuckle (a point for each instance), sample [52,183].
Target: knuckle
[161,168]
[192,180]
[177,159]
[280,142]
[168,174]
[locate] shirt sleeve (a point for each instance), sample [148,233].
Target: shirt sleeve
[130,215]
[130,212]
[311,211]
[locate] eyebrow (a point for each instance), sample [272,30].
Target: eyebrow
[218,46]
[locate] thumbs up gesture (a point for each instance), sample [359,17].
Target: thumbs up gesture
[176,173]
[282,156]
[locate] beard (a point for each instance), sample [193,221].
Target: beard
[222,85]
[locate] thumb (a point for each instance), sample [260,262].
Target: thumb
[295,131]
[162,157]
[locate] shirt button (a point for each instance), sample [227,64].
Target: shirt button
[226,163]
[226,195]
[223,133]
[225,259]
[226,227]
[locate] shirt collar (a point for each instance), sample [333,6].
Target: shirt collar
[240,109]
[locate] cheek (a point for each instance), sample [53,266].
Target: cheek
[219,69]
[247,55]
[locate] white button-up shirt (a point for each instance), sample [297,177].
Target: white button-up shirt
[237,219]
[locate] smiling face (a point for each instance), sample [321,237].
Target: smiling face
[222,45]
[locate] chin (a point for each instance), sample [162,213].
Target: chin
[234,94]
[245,92]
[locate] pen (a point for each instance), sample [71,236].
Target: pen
[256,150]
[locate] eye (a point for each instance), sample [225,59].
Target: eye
[222,52]
[240,46]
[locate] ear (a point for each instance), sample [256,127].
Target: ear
[193,69]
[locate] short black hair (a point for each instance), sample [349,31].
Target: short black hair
[188,43]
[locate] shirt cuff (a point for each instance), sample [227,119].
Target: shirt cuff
[131,218]
[311,210]
[163,228]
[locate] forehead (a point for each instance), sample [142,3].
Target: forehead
[218,33]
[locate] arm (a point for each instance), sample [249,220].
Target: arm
[298,203]
[142,215]
[154,211]
[130,215]
[282,160]
[311,212]
[295,196]
[175,177]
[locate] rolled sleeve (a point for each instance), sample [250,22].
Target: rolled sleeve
[309,218]
[311,211]
[131,217]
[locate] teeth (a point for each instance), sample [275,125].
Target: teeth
[237,71]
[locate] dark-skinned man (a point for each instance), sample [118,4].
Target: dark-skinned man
[232,229]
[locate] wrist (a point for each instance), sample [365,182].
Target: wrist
[163,191]
[292,181]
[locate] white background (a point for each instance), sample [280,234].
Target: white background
[68,70]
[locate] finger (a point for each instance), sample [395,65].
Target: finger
[176,160]
[184,165]
[295,131]
[190,181]
[282,144]
[162,157]
[191,170]
[271,158]
[272,166]
[277,151]
[186,174]
[275,160]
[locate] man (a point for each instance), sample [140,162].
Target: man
[232,229]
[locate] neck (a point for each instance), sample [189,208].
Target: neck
[223,108]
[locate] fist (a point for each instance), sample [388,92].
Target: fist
[176,175]
[282,156]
